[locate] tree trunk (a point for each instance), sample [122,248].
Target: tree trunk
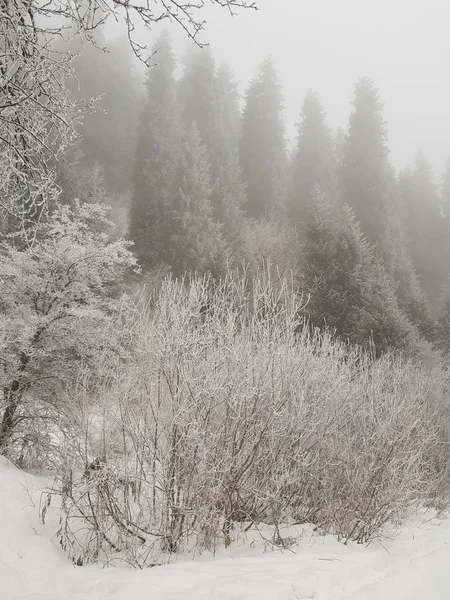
[12,395]
[7,423]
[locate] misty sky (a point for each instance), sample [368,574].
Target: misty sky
[404,45]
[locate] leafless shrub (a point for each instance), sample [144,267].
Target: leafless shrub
[231,414]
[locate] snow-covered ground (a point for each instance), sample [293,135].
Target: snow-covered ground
[413,566]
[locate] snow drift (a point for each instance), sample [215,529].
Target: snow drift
[412,566]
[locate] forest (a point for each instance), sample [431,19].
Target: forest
[204,330]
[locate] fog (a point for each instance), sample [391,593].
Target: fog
[326,45]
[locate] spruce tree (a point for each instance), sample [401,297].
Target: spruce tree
[445,208]
[156,160]
[228,113]
[196,243]
[350,291]
[197,93]
[445,213]
[229,195]
[209,98]
[393,250]
[262,148]
[313,162]
[443,329]
[445,191]
[423,224]
[365,164]
[339,140]
[369,185]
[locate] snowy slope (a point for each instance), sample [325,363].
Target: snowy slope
[413,566]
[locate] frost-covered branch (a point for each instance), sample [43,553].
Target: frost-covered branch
[37,117]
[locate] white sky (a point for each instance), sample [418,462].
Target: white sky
[404,45]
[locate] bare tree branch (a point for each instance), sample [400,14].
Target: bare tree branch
[37,116]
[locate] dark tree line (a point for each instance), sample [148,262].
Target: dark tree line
[208,173]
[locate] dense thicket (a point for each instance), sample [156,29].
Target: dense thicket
[232,416]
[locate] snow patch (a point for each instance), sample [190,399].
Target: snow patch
[413,565]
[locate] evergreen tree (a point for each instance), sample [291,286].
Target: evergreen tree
[445,209]
[262,147]
[444,319]
[365,164]
[229,117]
[313,162]
[370,187]
[339,140]
[198,93]
[445,192]
[196,243]
[228,196]
[156,159]
[349,289]
[209,98]
[399,267]
[445,213]
[423,225]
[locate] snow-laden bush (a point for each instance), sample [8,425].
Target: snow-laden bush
[231,413]
[59,303]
